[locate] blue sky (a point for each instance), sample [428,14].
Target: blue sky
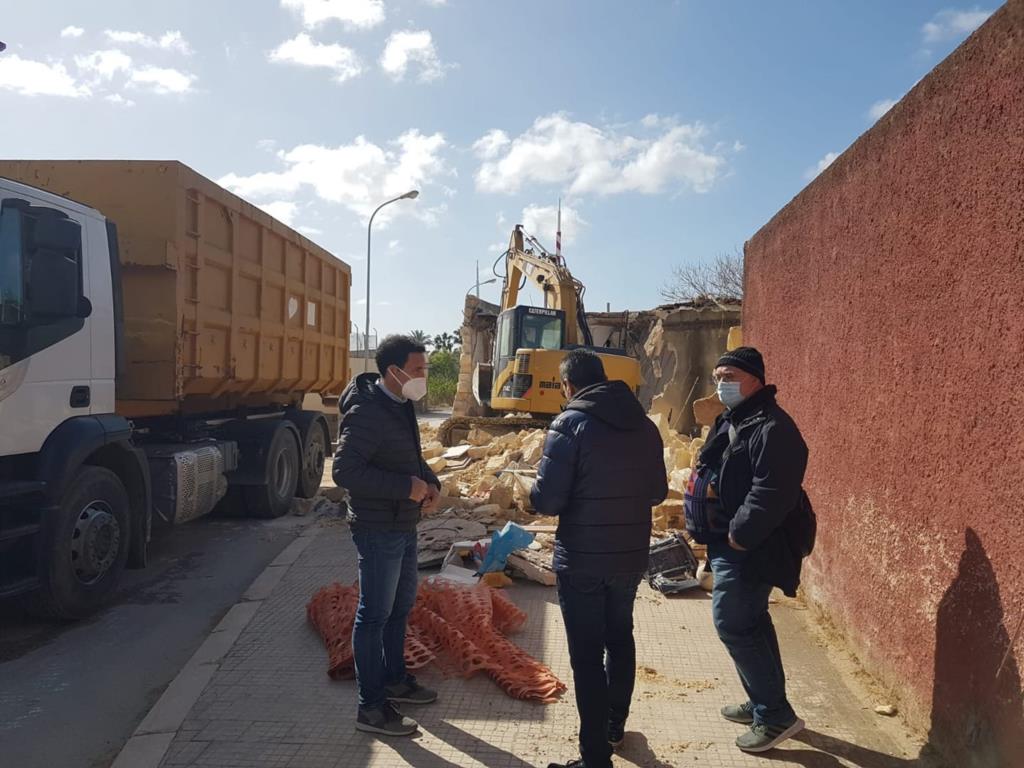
[671,130]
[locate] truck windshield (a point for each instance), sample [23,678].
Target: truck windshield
[11,283]
[541,332]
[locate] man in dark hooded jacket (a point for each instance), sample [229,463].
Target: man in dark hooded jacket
[603,469]
[380,462]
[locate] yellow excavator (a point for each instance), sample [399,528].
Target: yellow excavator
[521,385]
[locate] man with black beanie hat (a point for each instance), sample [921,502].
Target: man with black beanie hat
[747,482]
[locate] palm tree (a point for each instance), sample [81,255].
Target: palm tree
[445,341]
[420,337]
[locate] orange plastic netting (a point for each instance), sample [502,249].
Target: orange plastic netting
[460,628]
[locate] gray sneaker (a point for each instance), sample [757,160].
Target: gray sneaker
[739,713]
[761,737]
[385,720]
[410,693]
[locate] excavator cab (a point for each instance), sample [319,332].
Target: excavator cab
[522,336]
[529,346]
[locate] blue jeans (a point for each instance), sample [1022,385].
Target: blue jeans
[740,611]
[387,592]
[598,616]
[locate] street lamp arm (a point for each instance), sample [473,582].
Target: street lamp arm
[482,282]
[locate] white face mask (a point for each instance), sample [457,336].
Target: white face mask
[729,393]
[413,389]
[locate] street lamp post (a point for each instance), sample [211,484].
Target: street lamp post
[411,195]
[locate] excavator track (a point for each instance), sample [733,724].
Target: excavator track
[492,424]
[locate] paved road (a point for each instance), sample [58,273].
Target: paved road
[434,418]
[71,695]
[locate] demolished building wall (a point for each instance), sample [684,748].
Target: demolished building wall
[888,300]
[477,332]
[680,352]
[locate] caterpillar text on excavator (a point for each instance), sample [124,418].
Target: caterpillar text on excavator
[521,386]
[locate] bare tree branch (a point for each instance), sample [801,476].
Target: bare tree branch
[717,279]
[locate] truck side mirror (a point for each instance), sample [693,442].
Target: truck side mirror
[54,269]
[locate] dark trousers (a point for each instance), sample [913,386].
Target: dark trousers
[387,592]
[740,611]
[598,616]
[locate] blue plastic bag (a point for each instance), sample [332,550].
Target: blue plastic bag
[504,543]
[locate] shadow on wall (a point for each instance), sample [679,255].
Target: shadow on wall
[977,716]
[977,704]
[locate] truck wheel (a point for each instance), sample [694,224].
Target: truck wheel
[85,548]
[314,456]
[274,498]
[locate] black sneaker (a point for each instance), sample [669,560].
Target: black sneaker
[385,720]
[616,734]
[761,737]
[410,693]
[739,713]
[571,764]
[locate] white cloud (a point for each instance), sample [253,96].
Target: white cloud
[394,245]
[411,47]
[824,163]
[310,231]
[282,210]
[583,158]
[488,146]
[72,31]
[654,121]
[541,221]
[36,78]
[162,80]
[358,176]
[171,40]
[358,14]
[132,38]
[738,146]
[306,52]
[435,3]
[953,25]
[117,98]
[879,108]
[105,64]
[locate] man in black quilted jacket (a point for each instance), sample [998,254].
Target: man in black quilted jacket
[602,471]
[379,461]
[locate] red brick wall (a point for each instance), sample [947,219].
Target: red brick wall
[888,299]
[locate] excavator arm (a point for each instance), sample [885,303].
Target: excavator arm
[548,273]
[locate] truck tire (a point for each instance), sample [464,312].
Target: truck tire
[85,547]
[316,446]
[273,498]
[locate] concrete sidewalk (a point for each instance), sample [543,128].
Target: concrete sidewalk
[257,693]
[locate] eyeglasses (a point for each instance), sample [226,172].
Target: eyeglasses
[716,380]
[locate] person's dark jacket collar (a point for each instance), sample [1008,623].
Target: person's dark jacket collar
[612,402]
[763,398]
[364,388]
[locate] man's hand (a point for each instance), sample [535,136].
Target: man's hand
[433,496]
[419,489]
[734,545]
